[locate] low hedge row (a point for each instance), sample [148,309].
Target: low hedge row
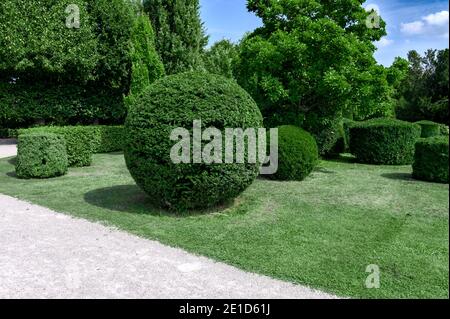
[83,141]
[431,159]
[384,141]
[41,155]
[429,129]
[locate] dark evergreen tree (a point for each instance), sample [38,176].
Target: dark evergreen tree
[180,35]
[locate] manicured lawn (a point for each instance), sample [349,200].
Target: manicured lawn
[322,232]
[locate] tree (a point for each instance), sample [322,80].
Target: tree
[146,63]
[423,94]
[54,72]
[312,61]
[221,57]
[180,35]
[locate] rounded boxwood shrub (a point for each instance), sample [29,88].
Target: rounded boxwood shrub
[298,153]
[431,159]
[429,129]
[41,155]
[79,141]
[384,141]
[176,102]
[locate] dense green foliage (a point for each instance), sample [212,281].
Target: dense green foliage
[107,139]
[431,159]
[82,141]
[24,104]
[311,62]
[384,141]
[220,58]
[176,101]
[54,74]
[444,129]
[423,95]
[41,155]
[429,128]
[78,142]
[180,36]
[146,63]
[297,154]
[8,133]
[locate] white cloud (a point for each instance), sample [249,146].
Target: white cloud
[432,24]
[416,27]
[438,18]
[384,42]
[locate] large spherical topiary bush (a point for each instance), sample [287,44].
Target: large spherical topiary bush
[431,159]
[176,102]
[298,153]
[384,141]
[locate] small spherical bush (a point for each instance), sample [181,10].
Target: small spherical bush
[431,159]
[41,156]
[429,129]
[384,141]
[176,102]
[298,154]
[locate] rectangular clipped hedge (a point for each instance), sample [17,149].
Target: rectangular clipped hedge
[107,139]
[83,141]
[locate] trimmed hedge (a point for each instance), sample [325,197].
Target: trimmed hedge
[176,101]
[431,159]
[384,141]
[78,142]
[83,141]
[41,155]
[298,154]
[107,139]
[429,129]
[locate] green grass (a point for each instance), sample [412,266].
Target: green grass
[322,232]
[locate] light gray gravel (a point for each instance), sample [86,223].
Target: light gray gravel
[7,148]
[44,254]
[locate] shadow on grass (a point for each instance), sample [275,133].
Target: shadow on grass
[131,199]
[399,176]
[323,170]
[13,160]
[343,158]
[12,174]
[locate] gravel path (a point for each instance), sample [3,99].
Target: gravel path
[7,148]
[44,254]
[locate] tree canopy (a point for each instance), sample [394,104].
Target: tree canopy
[312,60]
[180,36]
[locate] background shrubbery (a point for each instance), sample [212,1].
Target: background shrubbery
[429,128]
[384,141]
[431,159]
[56,75]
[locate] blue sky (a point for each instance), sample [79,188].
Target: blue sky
[412,24]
